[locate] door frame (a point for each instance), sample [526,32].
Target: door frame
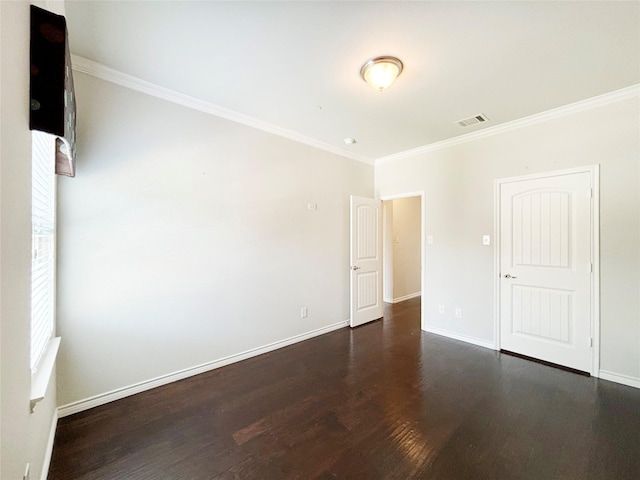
[423,238]
[594,171]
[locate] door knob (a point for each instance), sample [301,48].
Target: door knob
[508,276]
[355,268]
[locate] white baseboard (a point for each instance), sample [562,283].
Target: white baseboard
[616,377]
[113,395]
[49,450]
[406,297]
[457,336]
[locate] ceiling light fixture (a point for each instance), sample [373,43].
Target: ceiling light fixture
[380,72]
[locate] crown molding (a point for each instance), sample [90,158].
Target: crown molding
[582,105]
[98,70]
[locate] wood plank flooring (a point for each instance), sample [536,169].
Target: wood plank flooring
[383,401]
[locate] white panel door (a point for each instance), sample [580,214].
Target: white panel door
[366,260]
[545,269]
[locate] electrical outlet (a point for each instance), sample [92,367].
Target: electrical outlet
[440,308]
[312,206]
[458,312]
[304,312]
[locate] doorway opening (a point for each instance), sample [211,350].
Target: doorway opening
[403,246]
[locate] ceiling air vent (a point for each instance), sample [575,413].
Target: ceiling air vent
[465,122]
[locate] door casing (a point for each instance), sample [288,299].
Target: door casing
[594,171]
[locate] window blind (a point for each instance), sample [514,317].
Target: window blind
[43,221]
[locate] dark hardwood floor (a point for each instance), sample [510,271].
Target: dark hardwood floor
[383,401]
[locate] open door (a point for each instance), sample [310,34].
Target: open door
[366,260]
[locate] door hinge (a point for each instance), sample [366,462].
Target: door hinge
[591,342]
[591,193]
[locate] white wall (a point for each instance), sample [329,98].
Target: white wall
[459,185]
[406,246]
[186,238]
[23,436]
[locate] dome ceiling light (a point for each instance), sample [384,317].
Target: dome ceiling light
[381,72]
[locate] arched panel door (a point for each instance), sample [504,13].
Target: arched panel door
[546,269]
[366,260]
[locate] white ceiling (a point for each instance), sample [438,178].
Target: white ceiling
[277,61]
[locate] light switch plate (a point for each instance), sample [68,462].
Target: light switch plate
[430,239]
[486,240]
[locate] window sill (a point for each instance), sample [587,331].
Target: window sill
[42,375]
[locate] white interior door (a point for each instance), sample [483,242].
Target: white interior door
[366,260]
[546,268]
